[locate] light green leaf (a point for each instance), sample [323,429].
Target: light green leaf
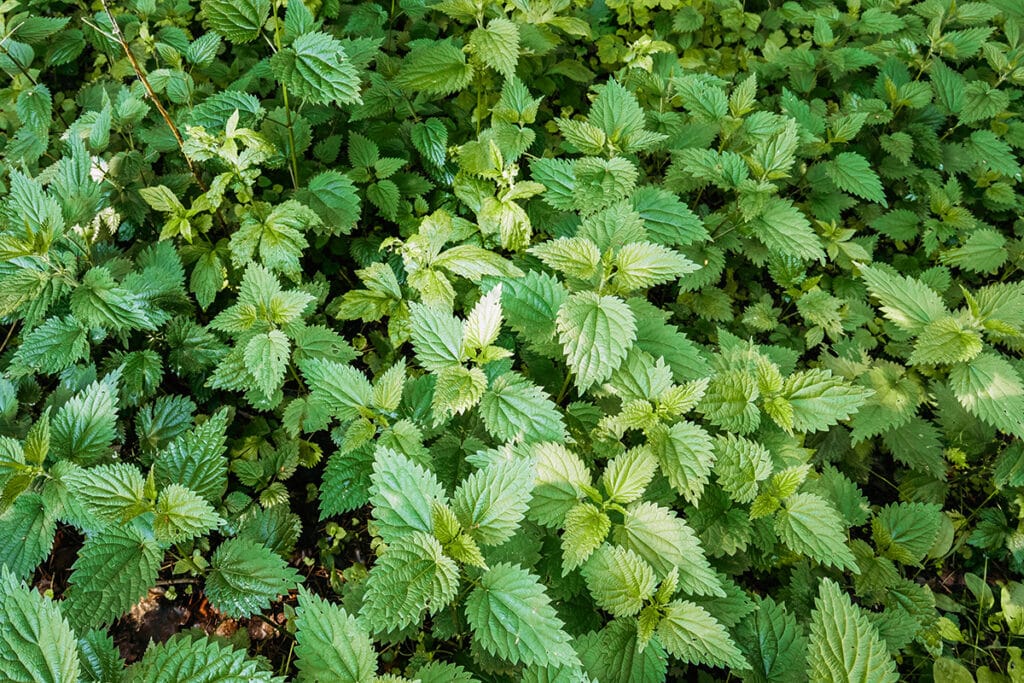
[402,495]
[36,644]
[586,527]
[342,388]
[411,576]
[844,646]
[266,357]
[186,657]
[690,633]
[991,388]
[907,302]
[619,580]
[436,337]
[84,428]
[905,532]
[331,645]
[819,399]
[641,265]
[686,455]
[596,332]
[492,501]
[437,68]
[237,20]
[180,515]
[515,409]
[497,45]
[512,618]
[810,526]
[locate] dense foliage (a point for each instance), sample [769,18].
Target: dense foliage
[527,341]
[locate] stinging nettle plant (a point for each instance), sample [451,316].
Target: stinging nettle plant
[512,341]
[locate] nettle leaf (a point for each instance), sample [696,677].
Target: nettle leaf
[436,337]
[516,409]
[115,569]
[436,68]
[410,577]
[181,514]
[774,642]
[686,455]
[197,460]
[402,495]
[619,580]
[641,265]
[614,655]
[844,645]
[595,332]
[690,633]
[497,45]
[586,528]
[991,388]
[666,542]
[342,389]
[331,645]
[558,485]
[905,532]
[240,21]
[492,501]
[907,302]
[36,643]
[852,173]
[245,578]
[27,531]
[84,428]
[819,400]
[810,526]
[316,68]
[186,657]
[512,618]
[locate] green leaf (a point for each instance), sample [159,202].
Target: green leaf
[666,542]
[36,644]
[240,21]
[53,346]
[686,455]
[115,569]
[85,427]
[186,657]
[27,531]
[586,528]
[341,388]
[852,173]
[492,501]
[411,576]
[810,526]
[266,357]
[613,655]
[436,337]
[180,515]
[991,388]
[245,578]
[785,230]
[641,265]
[688,632]
[515,409]
[512,618]
[497,45]
[844,646]
[574,257]
[595,332]
[457,390]
[333,197]
[774,642]
[945,341]
[436,68]
[402,495]
[819,400]
[907,302]
[667,220]
[905,532]
[619,580]
[112,493]
[331,645]
[558,485]
[197,461]
[317,69]
[627,475]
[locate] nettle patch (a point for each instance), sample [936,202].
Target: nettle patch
[526,341]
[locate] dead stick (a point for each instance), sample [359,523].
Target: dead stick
[152,95]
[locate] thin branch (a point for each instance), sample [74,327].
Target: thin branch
[119,37]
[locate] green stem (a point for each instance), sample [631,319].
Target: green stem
[293,169]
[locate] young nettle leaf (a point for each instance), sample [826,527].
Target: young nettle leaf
[512,618]
[331,643]
[843,641]
[188,657]
[595,332]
